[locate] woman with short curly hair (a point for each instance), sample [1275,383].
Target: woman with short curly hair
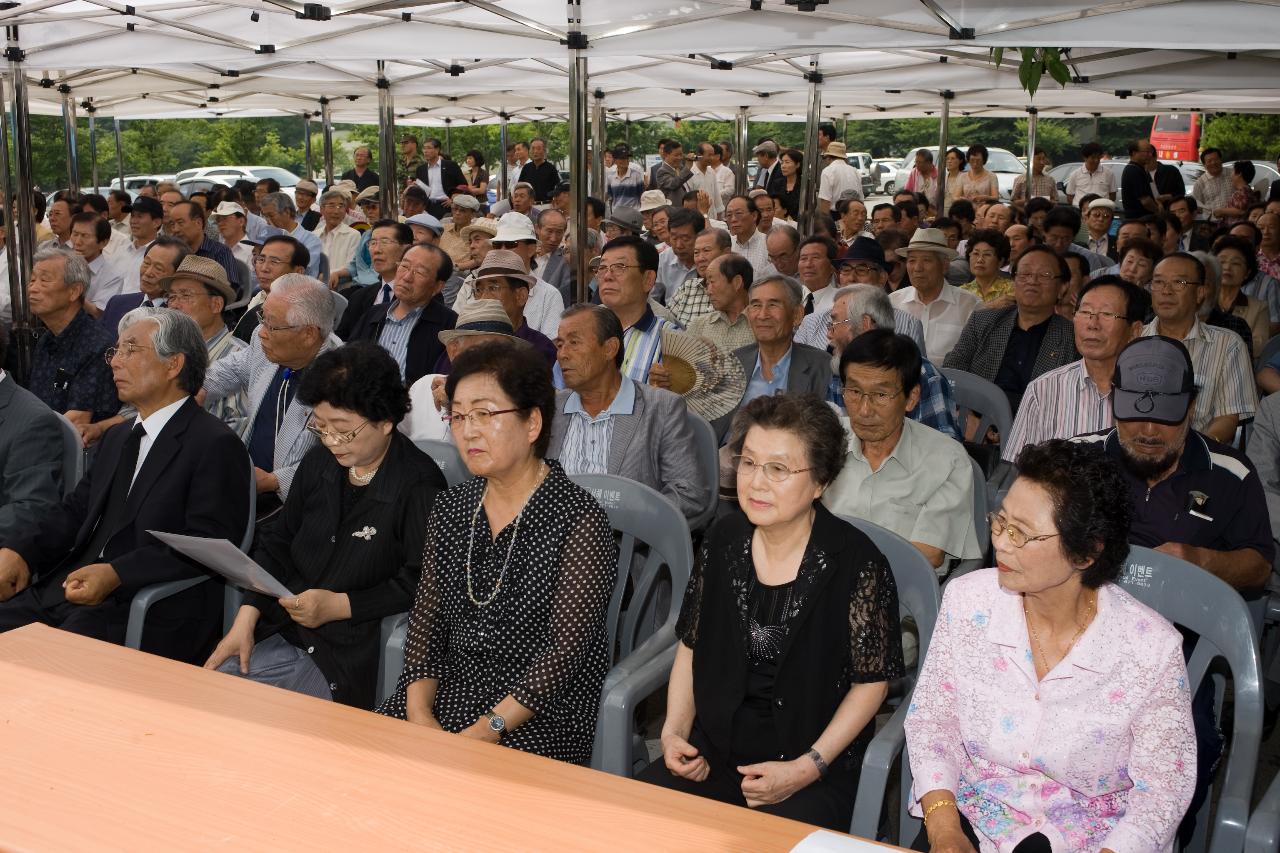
[1052,710]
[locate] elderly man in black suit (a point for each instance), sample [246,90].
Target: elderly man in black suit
[439,178]
[175,468]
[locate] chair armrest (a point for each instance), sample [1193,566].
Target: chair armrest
[628,683]
[148,596]
[659,642]
[1263,835]
[391,660]
[882,752]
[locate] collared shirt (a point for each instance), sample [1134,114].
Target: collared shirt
[708,181]
[1213,499]
[671,273]
[715,327]
[1101,753]
[312,242]
[1099,245]
[923,491]
[642,345]
[1000,288]
[625,190]
[217,252]
[1020,353]
[813,328]
[433,186]
[1212,193]
[106,281]
[1224,373]
[1082,182]
[840,178]
[756,253]
[228,409]
[937,406]
[338,244]
[129,260]
[69,373]
[152,424]
[394,337]
[758,386]
[690,300]
[587,438]
[1266,289]
[1269,266]
[256,228]
[1063,403]
[943,319]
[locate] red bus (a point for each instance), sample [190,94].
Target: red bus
[1176,136]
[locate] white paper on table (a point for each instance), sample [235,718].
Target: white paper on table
[226,559]
[822,841]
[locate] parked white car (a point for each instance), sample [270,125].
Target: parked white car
[230,174]
[886,176]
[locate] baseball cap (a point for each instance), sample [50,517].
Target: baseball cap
[1154,381]
[368,195]
[148,206]
[228,208]
[408,137]
[622,150]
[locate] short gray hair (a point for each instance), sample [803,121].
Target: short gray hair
[75,269]
[176,334]
[789,232]
[867,300]
[281,202]
[793,288]
[330,195]
[310,301]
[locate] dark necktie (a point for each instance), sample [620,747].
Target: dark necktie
[147,303]
[386,292]
[808,304]
[113,512]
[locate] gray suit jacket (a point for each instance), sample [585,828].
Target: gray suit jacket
[981,347]
[653,445]
[249,372]
[1264,452]
[31,474]
[810,371]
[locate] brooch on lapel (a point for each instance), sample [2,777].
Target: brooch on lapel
[1196,502]
[366,533]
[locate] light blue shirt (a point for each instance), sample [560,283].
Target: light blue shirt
[312,242]
[587,439]
[394,337]
[760,387]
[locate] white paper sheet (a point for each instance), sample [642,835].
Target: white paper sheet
[830,842]
[226,559]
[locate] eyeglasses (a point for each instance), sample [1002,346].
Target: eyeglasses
[1017,538]
[478,418]
[493,287]
[268,261]
[854,396]
[335,438]
[275,329]
[384,241]
[773,471]
[617,269]
[1175,284]
[832,322]
[182,296]
[416,272]
[1034,278]
[861,269]
[125,351]
[982,256]
[1100,316]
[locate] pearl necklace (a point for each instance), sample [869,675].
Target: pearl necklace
[361,479]
[475,516]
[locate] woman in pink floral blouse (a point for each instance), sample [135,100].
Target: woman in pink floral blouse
[1052,711]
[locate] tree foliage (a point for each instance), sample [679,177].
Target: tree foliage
[1243,136]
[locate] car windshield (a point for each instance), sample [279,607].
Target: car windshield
[282,176]
[1003,161]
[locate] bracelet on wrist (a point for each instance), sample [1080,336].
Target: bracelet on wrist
[819,762]
[933,808]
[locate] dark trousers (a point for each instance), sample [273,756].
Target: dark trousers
[1034,843]
[106,621]
[827,803]
[1208,754]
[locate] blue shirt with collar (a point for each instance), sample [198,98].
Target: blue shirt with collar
[760,387]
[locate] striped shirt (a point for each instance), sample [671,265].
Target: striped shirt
[587,438]
[1062,403]
[1224,373]
[642,345]
[1264,288]
[394,337]
[755,251]
[690,300]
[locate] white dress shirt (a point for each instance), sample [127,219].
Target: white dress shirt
[152,424]
[943,319]
[106,281]
[757,253]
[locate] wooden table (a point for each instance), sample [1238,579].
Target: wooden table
[107,748]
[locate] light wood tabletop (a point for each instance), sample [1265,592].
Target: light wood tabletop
[105,748]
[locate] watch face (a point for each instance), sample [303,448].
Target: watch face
[497,723]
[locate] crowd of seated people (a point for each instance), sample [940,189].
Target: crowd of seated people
[199,354]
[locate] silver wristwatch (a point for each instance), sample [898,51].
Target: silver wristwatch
[497,723]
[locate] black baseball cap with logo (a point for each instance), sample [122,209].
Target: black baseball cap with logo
[1154,380]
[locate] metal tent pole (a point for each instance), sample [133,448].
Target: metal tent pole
[740,151]
[502,154]
[598,136]
[306,144]
[1033,116]
[327,129]
[448,138]
[23,187]
[17,293]
[387,192]
[944,128]
[845,130]
[809,177]
[115,123]
[1096,135]
[626,131]
[577,42]
[93,144]
[69,137]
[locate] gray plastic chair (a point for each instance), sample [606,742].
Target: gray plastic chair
[391,662]
[642,637]
[72,454]
[1270,348]
[447,458]
[149,596]
[707,449]
[975,395]
[1263,834]
[919,598]
[1192,598]
[979,521]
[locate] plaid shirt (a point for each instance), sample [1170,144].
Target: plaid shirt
[937,406]
[690,301]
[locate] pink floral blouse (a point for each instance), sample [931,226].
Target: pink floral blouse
[1101,753]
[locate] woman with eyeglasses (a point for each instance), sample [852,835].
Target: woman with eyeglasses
[788,634]
[508,641]
[348,542]
[1052,709]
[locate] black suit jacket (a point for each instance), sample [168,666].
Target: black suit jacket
[777,182]
[373,554]
[450,179]
[194,480]
[424,341]
[359,301]
[31,475]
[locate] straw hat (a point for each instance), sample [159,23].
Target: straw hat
[652,200]
[487,226]
[929,240]
[482,317]
[504,263]
[835,149]
[206,271]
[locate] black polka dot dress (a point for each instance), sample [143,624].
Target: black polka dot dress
[542,638]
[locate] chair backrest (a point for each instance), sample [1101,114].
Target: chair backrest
[1194,599]
[324,268]
[1270,348]
[980,507]
[975,395]
[707,451]
[72,454]
[642,518]
[917,582]
[447,458]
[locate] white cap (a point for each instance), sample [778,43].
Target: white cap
[514,227]
[229,208]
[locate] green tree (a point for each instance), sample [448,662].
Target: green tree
[1243,136]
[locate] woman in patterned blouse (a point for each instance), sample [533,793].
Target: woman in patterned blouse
[788,633]
[507,640]
[1052,711]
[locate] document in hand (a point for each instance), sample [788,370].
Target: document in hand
[227,560]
